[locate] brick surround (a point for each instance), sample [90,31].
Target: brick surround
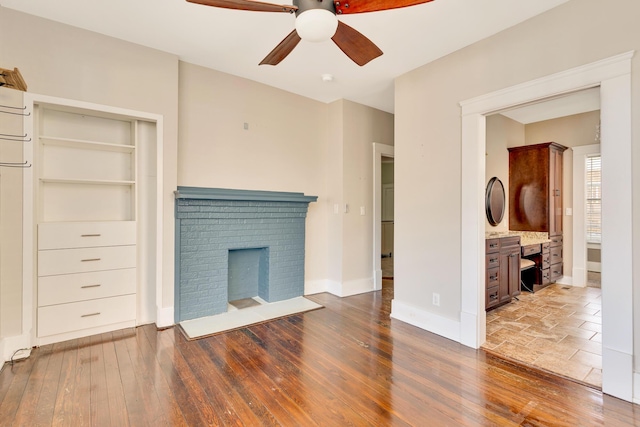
[211,222]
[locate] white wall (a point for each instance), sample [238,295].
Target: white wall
[362,126]
[292,144]
[67,62]
[502,133]
[283,149]
[428,135]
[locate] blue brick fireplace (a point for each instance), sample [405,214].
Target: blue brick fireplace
[251,239]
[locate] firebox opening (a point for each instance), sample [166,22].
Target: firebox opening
[248,277]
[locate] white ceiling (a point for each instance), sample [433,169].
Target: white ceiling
[561,106]
[234,41]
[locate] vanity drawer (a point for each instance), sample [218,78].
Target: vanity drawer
[546,261]
[555,272]
[545,276]
[555,255]
[85,286]
[66,261]
[493,296]
[555,241]
[62,235]
[545,247]
[531,250]
[492,245]
[75,316]
[507,243]
[492,260]
[493,275]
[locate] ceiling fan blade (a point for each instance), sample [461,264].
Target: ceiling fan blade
[283,49]
[360,6]
[257,6]
[355,45]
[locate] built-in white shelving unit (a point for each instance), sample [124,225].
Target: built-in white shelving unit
[86,195]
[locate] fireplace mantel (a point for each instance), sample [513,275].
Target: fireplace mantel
[243,195]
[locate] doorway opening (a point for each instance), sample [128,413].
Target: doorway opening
[556,328]
[613,76]
[383,193]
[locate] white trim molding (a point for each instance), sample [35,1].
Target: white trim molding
[155,291]
[613,76]
[580,266]
[426,320]
[379,150]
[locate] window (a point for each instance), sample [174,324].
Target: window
[594,202]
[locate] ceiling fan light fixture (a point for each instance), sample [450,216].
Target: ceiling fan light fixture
[316,25]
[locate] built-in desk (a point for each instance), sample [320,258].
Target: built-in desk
[540,254]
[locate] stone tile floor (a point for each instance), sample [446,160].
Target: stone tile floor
[558,329]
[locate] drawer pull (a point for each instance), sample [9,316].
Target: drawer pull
[90,235]
[92,314]
[493,297]
[90,286]
[492,260]
[493,245]
[493,277]
[90,259]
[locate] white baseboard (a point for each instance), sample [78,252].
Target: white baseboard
[617,374]
[351,287]
[9,345]
[315,286]
[431,322]
[579,277]
[565,280]
[594,266]
[636,388]
[377,279]
[164,317]
[358,286]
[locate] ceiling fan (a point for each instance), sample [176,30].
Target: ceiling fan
[316,20]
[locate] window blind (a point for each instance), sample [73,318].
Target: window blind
[594,196]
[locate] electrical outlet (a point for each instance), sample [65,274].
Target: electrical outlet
[436,299]
[362,210]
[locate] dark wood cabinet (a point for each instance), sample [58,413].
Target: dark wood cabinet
[535,200]
[502,270]
[535,188]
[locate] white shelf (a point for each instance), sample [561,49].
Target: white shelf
[86,181]
[84,144]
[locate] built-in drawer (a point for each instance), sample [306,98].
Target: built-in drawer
[75,316]
[492,260]
[545,276]
[555,241]
[85,286]
[67,261]
[63,235]
[545,247]
[492,245]
[512,242]
[545,260]
[555,255]
[555,272]
[531,250]
[492,277]
[493,296]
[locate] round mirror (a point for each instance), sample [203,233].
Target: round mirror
[495,201]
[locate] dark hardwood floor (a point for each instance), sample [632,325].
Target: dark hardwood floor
[346,364]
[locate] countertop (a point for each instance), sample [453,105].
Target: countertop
[526,237]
